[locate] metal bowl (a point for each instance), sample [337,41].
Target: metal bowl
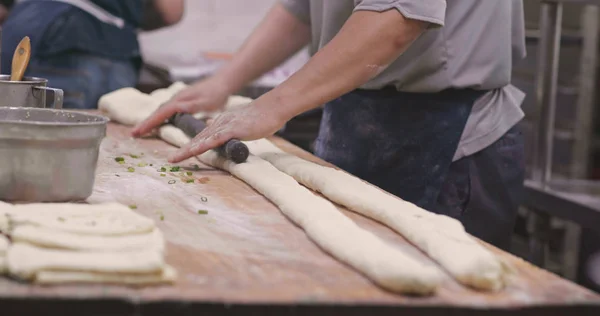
[48,155]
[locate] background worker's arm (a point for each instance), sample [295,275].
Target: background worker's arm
[368,42]
[276,38]
[161,13]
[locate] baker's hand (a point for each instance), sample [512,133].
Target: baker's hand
[207,95]
[245,123]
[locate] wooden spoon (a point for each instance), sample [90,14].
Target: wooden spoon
[20,59]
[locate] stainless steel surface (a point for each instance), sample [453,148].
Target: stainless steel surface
[30,92]
[573,200]
[588,2]
[57,96]
[587,86]
[546,86]
[0,49]
[48,155]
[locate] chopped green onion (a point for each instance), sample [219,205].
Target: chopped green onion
[121,162]
[163,175]
[131,169]
[189,173]
[174,169]
[142,164]
[189,181]
[133,206]
[134,156]
[172,181]
[163,169]
[162,217]
[119,159]
[202,212]
[151,165]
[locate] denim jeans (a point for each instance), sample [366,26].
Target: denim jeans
[404,143]
[83,77]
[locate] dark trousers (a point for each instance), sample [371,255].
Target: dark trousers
[404,143]
[84,77]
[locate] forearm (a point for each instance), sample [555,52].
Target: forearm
[276,38]
[161,13]
[357,54]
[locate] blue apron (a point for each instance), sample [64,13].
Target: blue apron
[55,27]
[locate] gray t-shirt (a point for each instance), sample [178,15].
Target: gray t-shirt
[469,44]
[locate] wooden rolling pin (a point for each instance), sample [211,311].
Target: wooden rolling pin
[20,59]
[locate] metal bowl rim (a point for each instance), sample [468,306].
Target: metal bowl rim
[25,81]
[102,120]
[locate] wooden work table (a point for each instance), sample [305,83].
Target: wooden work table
[245,257]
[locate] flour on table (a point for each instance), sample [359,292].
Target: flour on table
[441,237]
[326,225]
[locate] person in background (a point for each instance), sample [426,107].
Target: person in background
[87,48]
[5,6]
[418,99]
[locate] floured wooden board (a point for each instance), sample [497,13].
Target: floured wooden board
[243,255]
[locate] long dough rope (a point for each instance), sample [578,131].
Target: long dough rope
[325,225]
[441,237]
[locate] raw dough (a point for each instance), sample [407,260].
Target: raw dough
[129,106]
[85,219]
[50,238]
[4,223]
[3,248]
[25,261]
[3,245]
[167,275]
[327,226]
[441,237]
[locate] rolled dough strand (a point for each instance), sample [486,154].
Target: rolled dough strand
[50,238]
[129,106]
[167,276]
[441,237]
[25,261]
[326,225]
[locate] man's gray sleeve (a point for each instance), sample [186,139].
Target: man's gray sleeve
[299,8]
[432,11]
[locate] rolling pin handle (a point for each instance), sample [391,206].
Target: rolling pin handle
[236,151]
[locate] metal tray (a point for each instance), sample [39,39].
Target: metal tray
[48,155]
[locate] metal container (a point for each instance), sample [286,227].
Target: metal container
[30,92]
[48,155]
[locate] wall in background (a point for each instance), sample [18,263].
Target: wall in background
[208,25]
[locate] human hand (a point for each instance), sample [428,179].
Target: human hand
[244,123]
[207,95]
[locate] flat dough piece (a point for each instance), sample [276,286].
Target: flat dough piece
[25,261]
[441,237]
[3,267]
[4,223]
[3,245]
[84,219]
[167,276]
[327,226]
[3,248]
[50,238]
